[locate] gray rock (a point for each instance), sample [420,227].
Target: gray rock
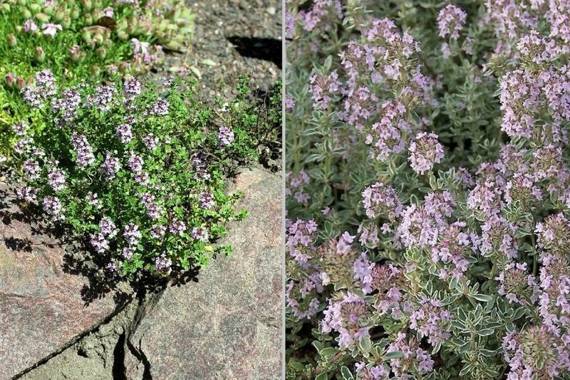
[228,325]
[41,307]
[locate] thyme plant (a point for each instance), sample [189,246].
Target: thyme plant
[135,173]
[428,202]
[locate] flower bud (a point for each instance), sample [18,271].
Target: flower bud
[66,23]
[10,80]
[35,8]
[40,54]
[124,67]
[42,17]
[123,36]
[20,83]
[87,4]
[75,53]
[87,37]
[101,52]
[12,41]
[95,71]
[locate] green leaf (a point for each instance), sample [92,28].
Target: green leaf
[346,374]
[393,355]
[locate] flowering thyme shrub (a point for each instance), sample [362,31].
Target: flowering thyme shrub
[428,202]
[136,174]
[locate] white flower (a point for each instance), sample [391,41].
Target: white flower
[51,29]
[108,12]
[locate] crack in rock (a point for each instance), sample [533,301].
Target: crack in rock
[76,341]
[101,352]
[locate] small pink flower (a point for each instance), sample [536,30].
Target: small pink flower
[30,26]
[51,29]
[108,12]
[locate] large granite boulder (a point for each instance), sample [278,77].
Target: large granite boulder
[228,325]
[41,307]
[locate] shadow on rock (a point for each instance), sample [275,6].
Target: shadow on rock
[79,260]
[267,49]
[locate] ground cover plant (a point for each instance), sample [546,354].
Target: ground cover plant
[79,40]
[428,202]
[131,174]
[137,174]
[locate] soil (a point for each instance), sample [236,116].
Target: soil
[233,38]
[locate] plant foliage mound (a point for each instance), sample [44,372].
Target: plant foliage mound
[137,174]
[82,40]
[428,203]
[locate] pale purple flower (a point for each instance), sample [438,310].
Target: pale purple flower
[67,105]
[152,208]
[200,233]
[53,207]
[30,26]
[450,21]
[177,227]
[128,253]
[344,243]
[425,151]
[107,227]
[225,135]
[83,150]
[298,301]
[132,234]
[27,194]
[415,358]
[108,12]
[347,318]
[158,232]
[311,18]
[56,179]
[300,239]
[125,133]
[93,200]
[50,29]
[207,200]
[135,163]
[431,320]
[111,267]
[32,169]
[517,285]
[43,89]
[102,99]
[111,166]
[132,87]
[323,88]
[163,263]
[499,236]
[381,201]
[99,243]
[553,234]
[20,129]
[150,141]
[364,372]
[160,108]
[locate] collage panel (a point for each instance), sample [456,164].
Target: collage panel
[427,210]
[141,191]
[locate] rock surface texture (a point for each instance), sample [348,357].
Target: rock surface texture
[227,325]
[41,308]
